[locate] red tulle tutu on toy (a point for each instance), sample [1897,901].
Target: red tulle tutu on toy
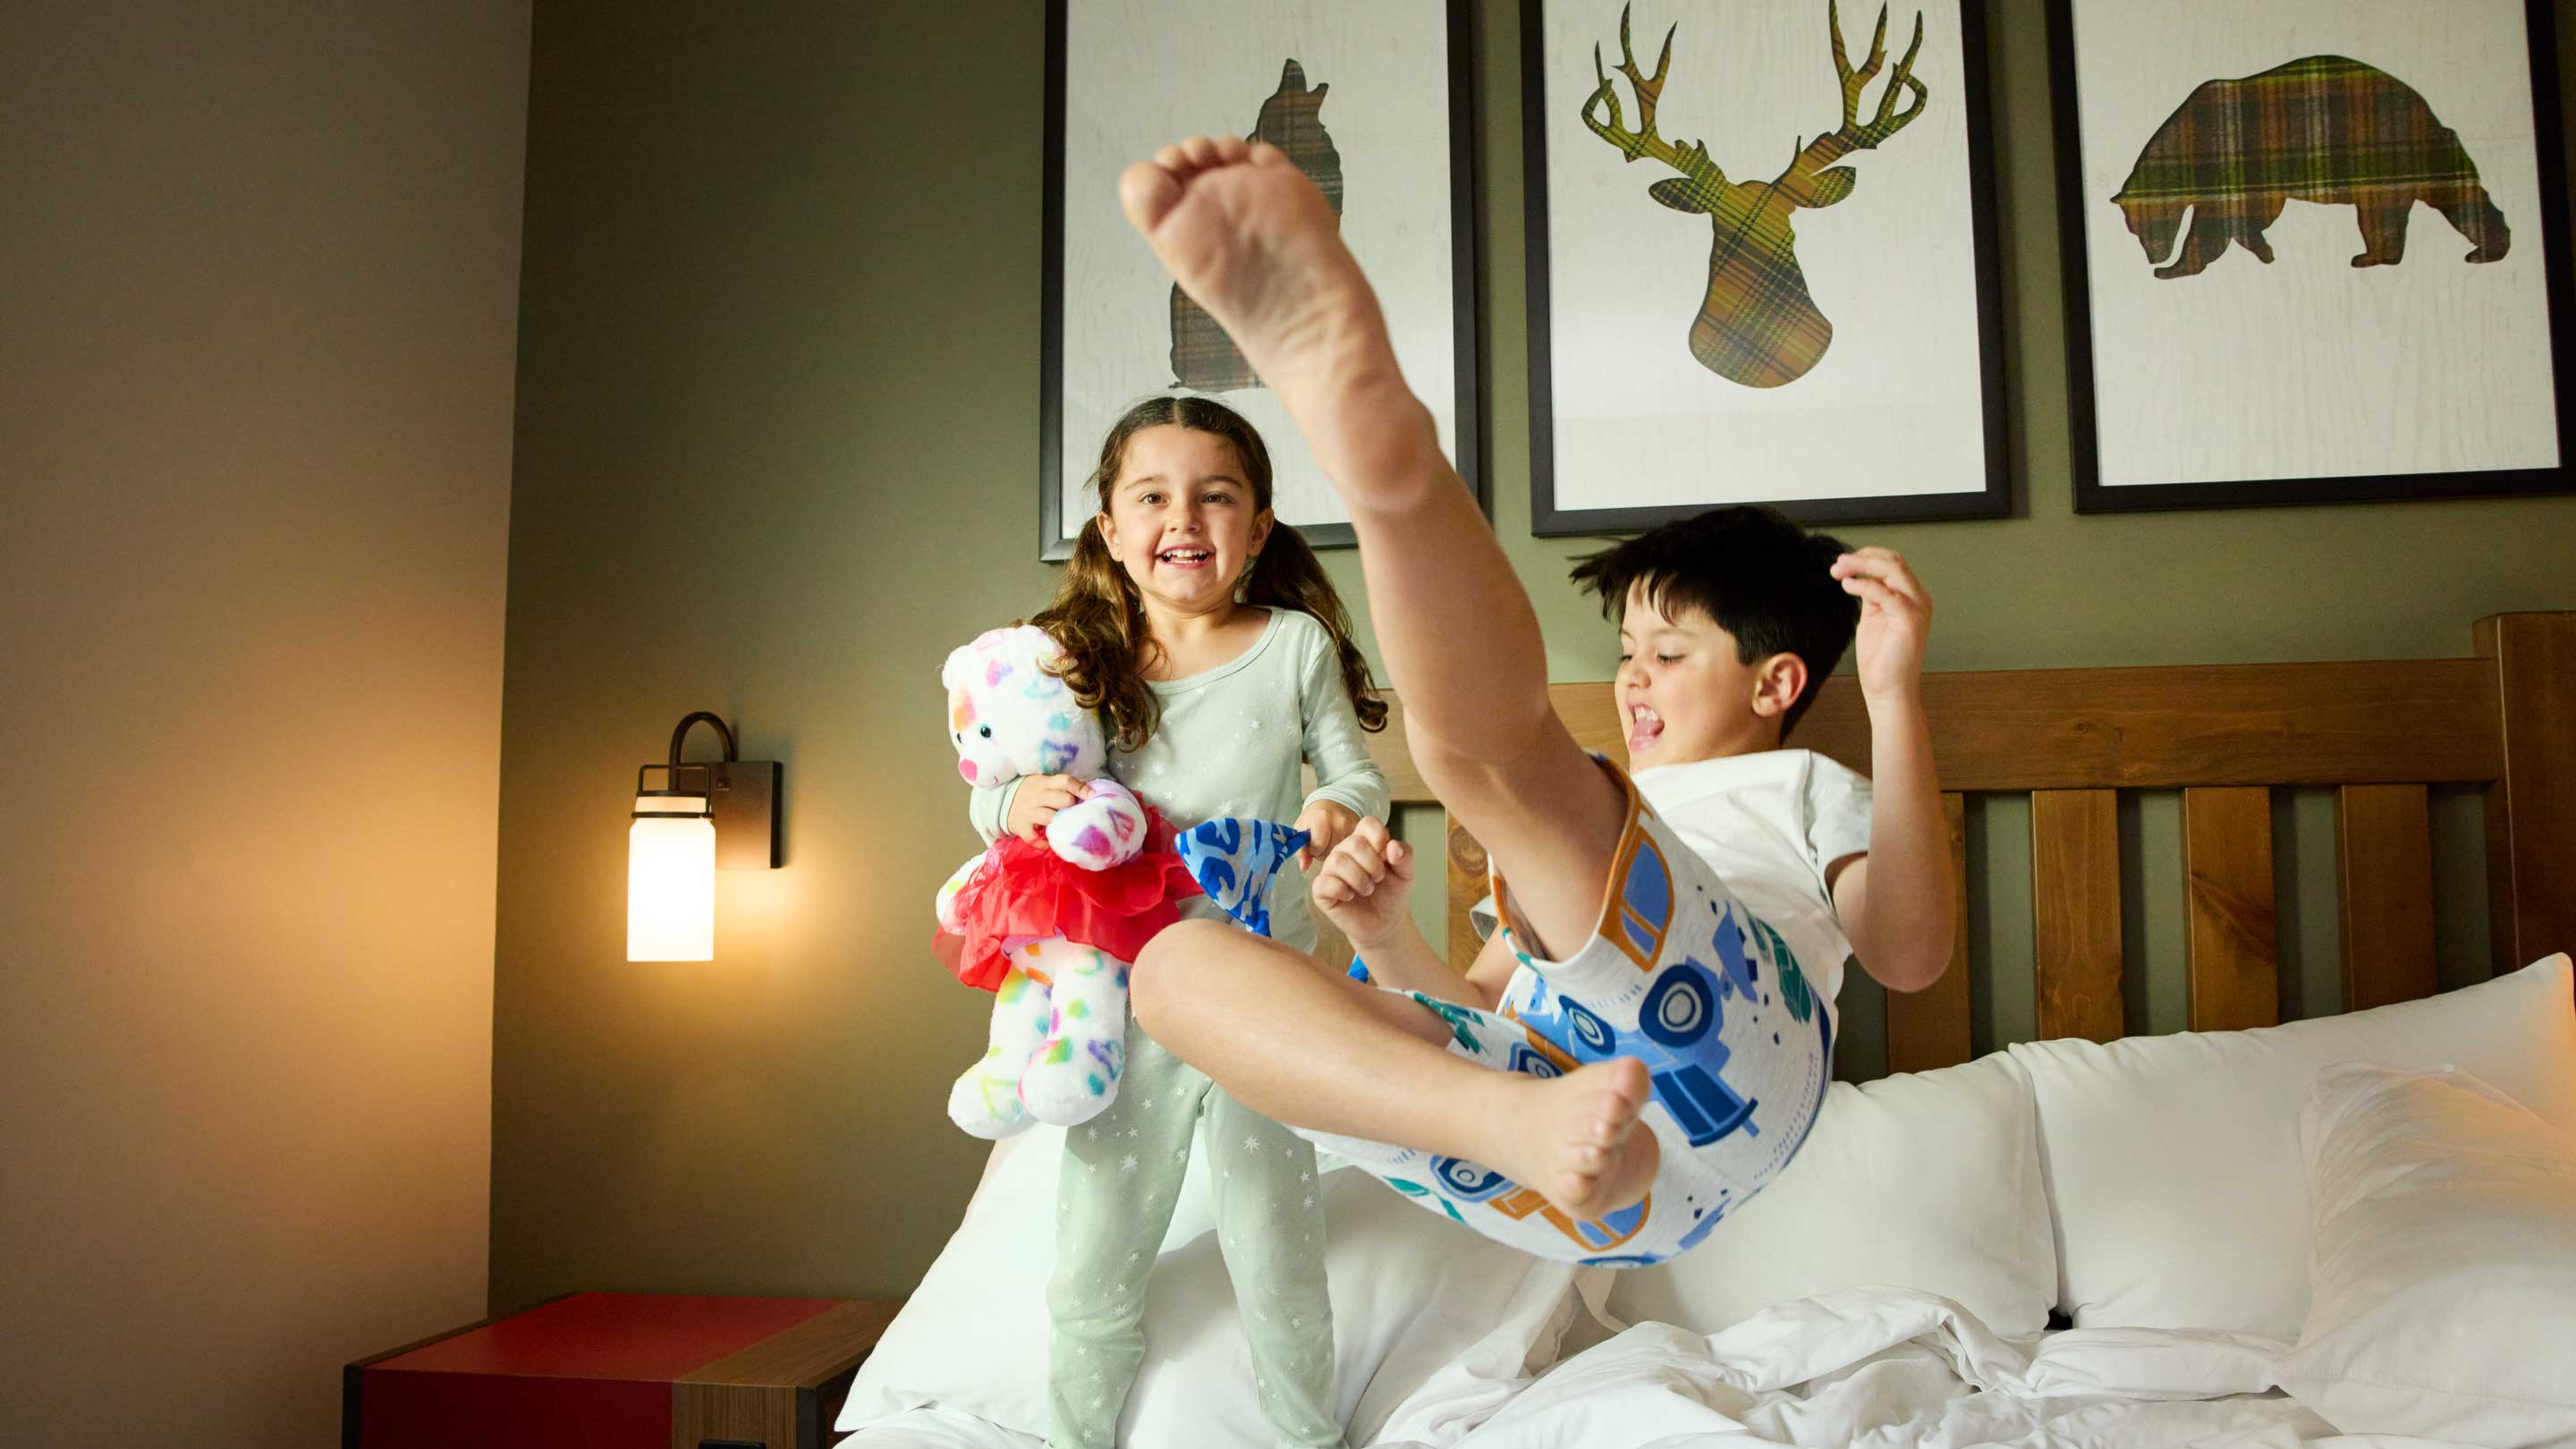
[1024,891]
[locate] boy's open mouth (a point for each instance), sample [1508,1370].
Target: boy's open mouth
[1644,727]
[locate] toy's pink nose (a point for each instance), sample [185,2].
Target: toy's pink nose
[967,769]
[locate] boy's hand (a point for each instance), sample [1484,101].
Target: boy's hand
[1362,885]
[1895,620]
[1039,798]
[1328,823]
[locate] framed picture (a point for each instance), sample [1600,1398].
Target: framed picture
[1762,262]
[2315,250]
[1371,101]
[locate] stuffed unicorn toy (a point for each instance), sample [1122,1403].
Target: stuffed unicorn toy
[1050,928]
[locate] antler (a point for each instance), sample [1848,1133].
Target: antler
[1889,120]
[1812,159]
[1691,160]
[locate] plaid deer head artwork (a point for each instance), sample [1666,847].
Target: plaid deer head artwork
[1203,357]
[2323,129]
[1758,324]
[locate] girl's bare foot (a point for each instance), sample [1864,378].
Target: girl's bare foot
[1577,1140]
[1252,241]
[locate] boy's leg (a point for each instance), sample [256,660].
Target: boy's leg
[1330,1055]
[1252,241]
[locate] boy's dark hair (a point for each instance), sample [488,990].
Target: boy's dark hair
[1761,577]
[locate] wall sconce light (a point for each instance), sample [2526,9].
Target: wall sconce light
[718,814]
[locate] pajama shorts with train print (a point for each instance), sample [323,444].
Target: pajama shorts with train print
[1678,973]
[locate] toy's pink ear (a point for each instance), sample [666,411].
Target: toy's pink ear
[967,769]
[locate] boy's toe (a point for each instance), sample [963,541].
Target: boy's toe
[1148,190]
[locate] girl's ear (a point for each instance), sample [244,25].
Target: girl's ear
[1108,536]
[1777,683]
[1261,523]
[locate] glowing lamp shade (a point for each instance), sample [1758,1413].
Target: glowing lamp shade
[671,879]
[722,814]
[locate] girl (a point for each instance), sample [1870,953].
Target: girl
[1220,659]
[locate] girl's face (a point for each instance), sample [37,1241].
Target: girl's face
[1181,519]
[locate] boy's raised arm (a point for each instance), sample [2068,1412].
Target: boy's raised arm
[1895,902]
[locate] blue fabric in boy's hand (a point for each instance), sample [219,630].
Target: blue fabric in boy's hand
[1236,860]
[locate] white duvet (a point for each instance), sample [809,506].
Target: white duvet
[1880,1368]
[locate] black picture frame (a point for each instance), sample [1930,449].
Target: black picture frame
[2092,496]
[1465,283]
[1994,500]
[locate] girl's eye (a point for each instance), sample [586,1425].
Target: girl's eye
[1624,658]
[1218,498]
[1668,659]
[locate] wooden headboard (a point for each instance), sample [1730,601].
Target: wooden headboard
[2380,732]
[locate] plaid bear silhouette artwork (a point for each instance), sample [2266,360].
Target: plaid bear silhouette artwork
[2324,129]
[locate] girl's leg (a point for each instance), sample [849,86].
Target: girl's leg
[1122,1175]
[1331,1055]
[1270,1226]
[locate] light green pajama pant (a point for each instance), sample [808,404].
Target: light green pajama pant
[1122,1175]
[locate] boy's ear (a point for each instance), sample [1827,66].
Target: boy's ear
[1777,683]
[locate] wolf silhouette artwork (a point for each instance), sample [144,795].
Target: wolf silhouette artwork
[1203,357]
[2324,129]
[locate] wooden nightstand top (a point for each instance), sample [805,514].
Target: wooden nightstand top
[654,1337]
[622,1369]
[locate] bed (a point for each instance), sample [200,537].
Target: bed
[2248,1233]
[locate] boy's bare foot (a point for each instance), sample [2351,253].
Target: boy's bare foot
[1578,1139]
[1252,241]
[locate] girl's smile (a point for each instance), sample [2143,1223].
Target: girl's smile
[1181,519]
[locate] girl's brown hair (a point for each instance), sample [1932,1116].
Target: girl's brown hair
[1098,618]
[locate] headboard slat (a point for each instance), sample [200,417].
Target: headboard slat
[2531,812]
[2075,925]
[2384,844]
[2227,874]
[1931,1028]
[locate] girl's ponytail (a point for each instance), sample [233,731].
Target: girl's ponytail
[1287,575]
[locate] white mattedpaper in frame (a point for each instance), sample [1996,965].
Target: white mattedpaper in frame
[2314,250]
[1369,99]
[1804,313]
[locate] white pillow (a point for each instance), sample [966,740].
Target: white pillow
[1434,1326]
[2445,1262]
[1928,1180]
[2173,1161]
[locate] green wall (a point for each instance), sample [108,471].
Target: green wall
[777,449]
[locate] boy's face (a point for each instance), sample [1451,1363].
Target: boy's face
[1683,694]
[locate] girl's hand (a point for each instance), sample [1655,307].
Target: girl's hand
[1895,621]
[1362,885]
[1039,797]
[1327,823]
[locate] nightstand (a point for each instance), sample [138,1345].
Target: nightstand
[620,1371]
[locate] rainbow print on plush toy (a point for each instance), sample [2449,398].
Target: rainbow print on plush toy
[1049,928]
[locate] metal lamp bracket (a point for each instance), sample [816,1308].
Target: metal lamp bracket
[742,799]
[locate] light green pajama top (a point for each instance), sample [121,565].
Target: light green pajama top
[1231,742]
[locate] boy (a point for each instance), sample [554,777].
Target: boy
[1637,986]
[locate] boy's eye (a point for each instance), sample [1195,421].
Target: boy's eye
[1668,659]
